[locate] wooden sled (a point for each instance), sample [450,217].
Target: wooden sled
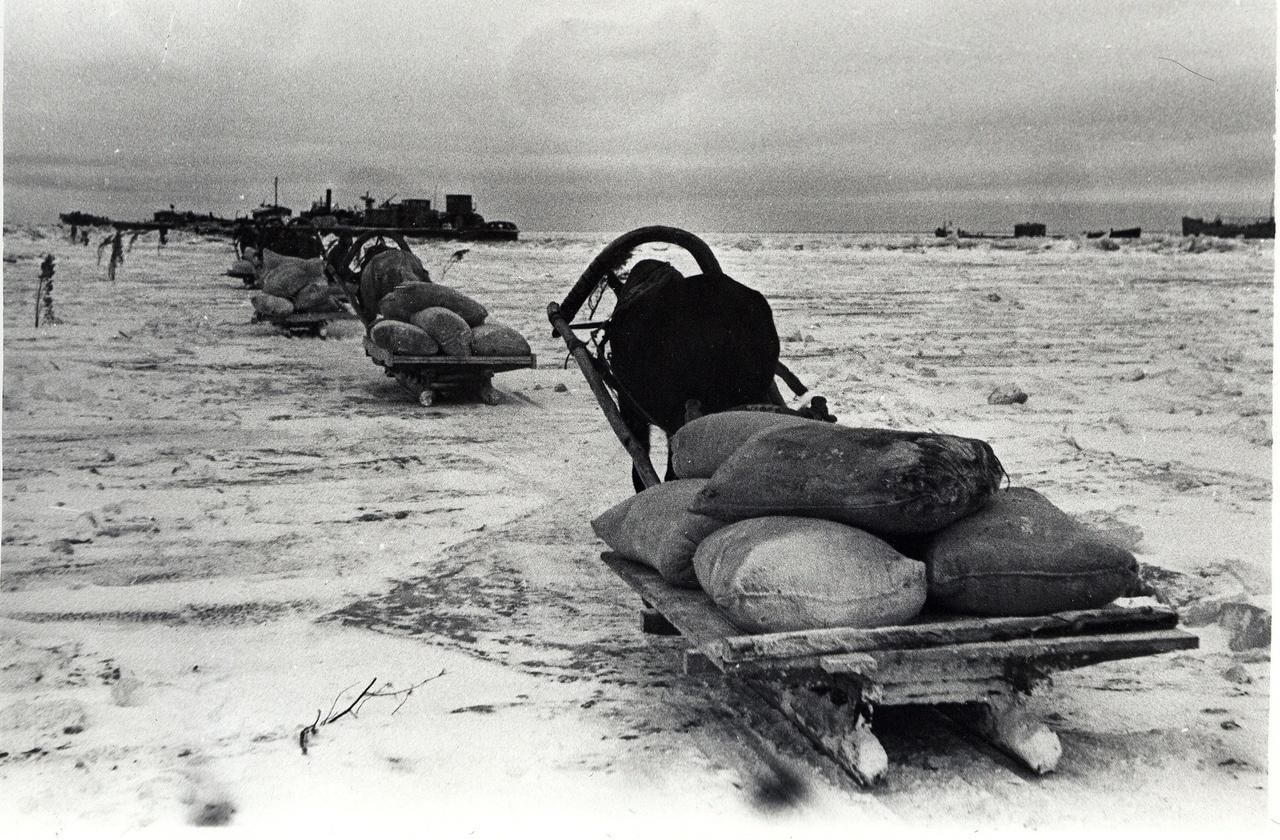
[425,377]
[429,377]
[306,323]
[829,682]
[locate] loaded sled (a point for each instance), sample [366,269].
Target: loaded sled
[426,378]
[829,682]
[306,323]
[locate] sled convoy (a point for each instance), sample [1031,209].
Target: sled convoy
[827,568]
[433,339]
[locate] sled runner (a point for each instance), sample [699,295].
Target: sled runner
[307,323]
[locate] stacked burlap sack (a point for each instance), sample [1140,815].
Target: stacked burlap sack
[416,317]
[794,524]
[292,284]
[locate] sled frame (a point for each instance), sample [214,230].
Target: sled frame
[979,671]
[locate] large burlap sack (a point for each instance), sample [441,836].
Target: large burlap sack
[272,260]
[290,277]
[779,573]
[656,528]
[403,339]
[884,481]
[447,328]
[270,305]
[1021,555]
[493,339]
[406,299]
[702,445]
[385,271]
[314,297]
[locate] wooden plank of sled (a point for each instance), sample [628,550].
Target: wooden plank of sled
[990,659]
[809,643]
[691,611]
[300,318]
[497,363]
[972,690]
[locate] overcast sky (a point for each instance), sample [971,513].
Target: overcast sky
[717,116]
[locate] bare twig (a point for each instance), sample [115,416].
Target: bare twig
[336,698]
[348,709]
[308,731]
[117,256]
[455,258]
[407,692]
[353,709]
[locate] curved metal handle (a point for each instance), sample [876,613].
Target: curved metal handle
[619,250]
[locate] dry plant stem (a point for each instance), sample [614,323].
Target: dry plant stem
[354,708]
[39,299]
[348,709]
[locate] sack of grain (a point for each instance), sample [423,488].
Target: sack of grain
[404,300]
[270,305]
[656,528]
[1021,555]
[886,482]
[385,271]
[447,328]
[403,339]
[314,297]
[702,445]
[288,278]
[272,260]
[778,573]
[493,339]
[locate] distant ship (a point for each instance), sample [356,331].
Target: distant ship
[1255,228]
[78,219]
[416,217]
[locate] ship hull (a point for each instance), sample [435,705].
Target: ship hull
[1259,229]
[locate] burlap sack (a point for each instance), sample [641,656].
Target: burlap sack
[656,528]
[271,305]
[883,481]
[1021,555]
[403,339]
[288,278]
[702,445]
[272,260]
[406,299]
[447,328]
[780,573]
[314,297]
[385,271]
[493,339]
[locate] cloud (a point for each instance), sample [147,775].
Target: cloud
[599,71]
[558,113]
